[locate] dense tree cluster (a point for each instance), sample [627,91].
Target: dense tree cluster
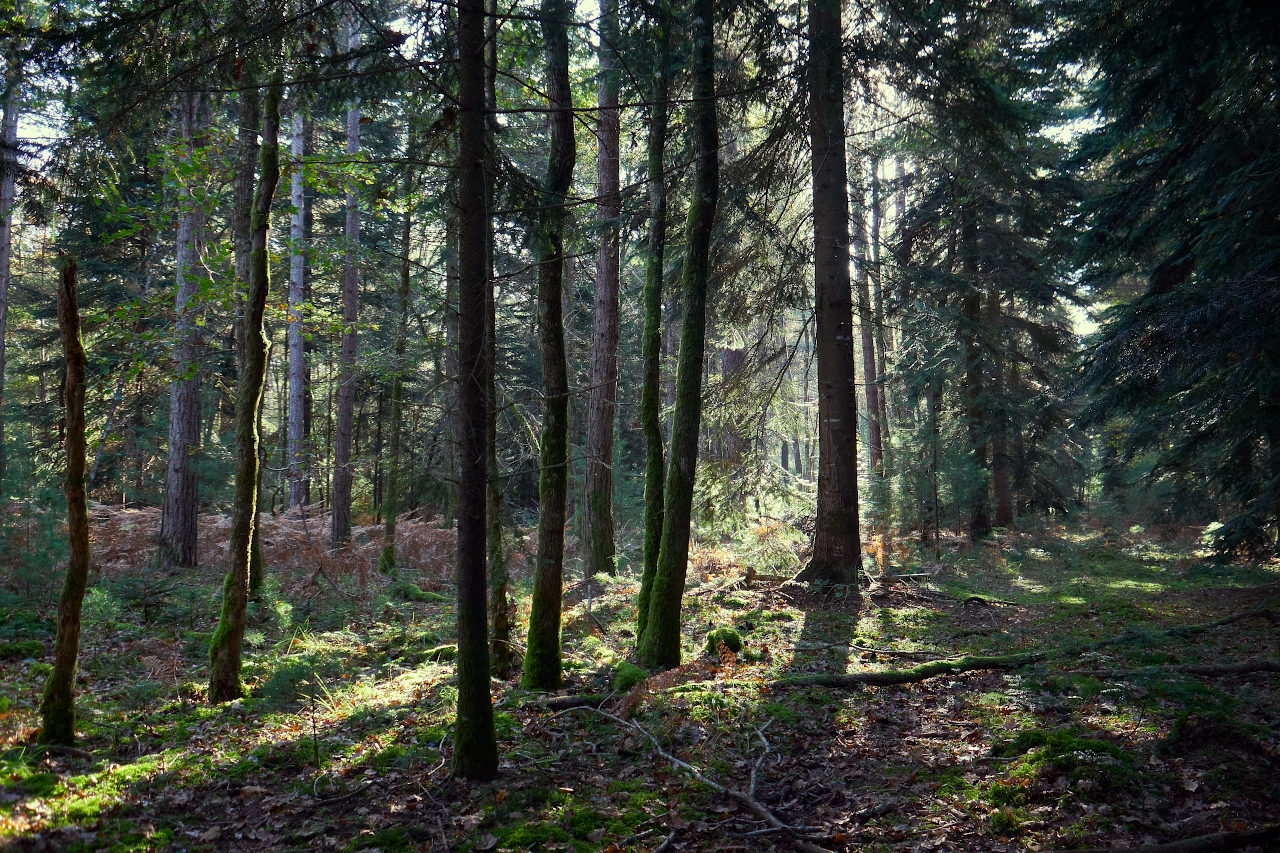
[637,275]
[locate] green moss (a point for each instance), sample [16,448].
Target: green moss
[410,591]
[626,676]
[1064,751]
[21,649]
[1192,732]
[732,641]
[441,654]
[386,840]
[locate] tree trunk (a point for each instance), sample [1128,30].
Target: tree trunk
[837,552]
[224,647]
[8,196]
[500,652]
[660,646]
[880,327]
[866,332]
[178,527]
[391,501]
[602,406]
[974,400]
[475,752]
[542,657]
[241,227]
[297,451]
[452,375]
[1001,482]
[57,710]
[340,502]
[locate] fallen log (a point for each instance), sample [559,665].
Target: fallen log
[1201,843]
[923,672]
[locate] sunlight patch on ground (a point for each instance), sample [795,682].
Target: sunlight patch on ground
[1143,586]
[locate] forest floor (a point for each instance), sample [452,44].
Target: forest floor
[343,743]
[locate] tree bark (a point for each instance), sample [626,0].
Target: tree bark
[880,327]
[8,197]
[475,754]
[178,520]
[651,343]
[837,552]
[57,710]
[225,645]
[340,502]
[542,656]
[660,646]
[500,652]
[974,391]
[1001,481]
[866,333]
[602,405]
[297,451]
[391,501]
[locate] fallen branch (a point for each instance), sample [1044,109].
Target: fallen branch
[1202,843]
[567,703]
[923,672]
[1212,670]
[743,798]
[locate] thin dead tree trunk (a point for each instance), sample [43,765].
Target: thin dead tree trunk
[475,753]
[660,647]
[178,520]
[542,657]
[391,503]
[297,451]
[8,197]
[866,332]
[500,651]
[225,645]
[343,473]
[57,709]
[602,404]
[837,552]
[651,345]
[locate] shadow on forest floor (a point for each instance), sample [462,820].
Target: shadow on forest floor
[351,703]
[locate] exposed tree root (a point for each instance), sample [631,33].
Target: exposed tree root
[1203,843]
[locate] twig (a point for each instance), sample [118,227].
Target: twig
[666,845]
[333,801]
[755,769]
[743,798]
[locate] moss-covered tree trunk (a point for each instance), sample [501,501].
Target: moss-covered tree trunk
[542,657]
[660,647]
[224,647]
[602,406]
[837,552]
[651,342]
[57,710]
[475,754]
